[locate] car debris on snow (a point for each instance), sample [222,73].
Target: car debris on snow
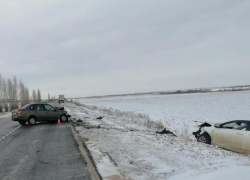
[79,120]
[204,124]
[165,131]
[100,117]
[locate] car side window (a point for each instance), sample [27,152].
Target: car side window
[48,107]
[39,107]
[248,127]
[32,107]
[238,125]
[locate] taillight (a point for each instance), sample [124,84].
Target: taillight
[20,111]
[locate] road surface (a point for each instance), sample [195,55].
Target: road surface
[39,152]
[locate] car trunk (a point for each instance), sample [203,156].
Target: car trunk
[14,112]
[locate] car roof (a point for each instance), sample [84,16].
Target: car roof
[237,121]
[39,103]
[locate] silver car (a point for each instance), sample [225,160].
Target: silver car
[33,113]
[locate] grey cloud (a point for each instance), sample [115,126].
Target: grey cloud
[82,48]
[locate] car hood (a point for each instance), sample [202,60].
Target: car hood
[62,111]
[208,128]
[59,108]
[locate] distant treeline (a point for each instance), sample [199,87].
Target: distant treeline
[187,91]
[14,93]
[233,88]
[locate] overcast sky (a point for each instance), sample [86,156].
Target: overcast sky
[99,47]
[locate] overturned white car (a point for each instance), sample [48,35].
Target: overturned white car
[233,135]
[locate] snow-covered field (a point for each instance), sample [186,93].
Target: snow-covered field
[178,112]
[118,144]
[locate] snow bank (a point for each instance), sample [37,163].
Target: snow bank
[179,112]
[227,173]
[4,115]
[140,154]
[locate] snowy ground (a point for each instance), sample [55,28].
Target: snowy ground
[178,112]
[4,115]
[139,154]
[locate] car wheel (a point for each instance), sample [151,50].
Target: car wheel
[63,118]
[204,138]
[32,120]
[22,122]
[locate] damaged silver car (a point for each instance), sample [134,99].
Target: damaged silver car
[232,135]
[32,113]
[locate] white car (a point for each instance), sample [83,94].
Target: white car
[233,135]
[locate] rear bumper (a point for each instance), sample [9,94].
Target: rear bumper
[15,119]
[18,118]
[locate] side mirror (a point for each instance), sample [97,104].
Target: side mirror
[217,125]
[55,110]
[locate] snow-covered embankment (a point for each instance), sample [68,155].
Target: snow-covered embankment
[136,152]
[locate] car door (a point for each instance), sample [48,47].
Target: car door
[40,112]
[51,113]
[239,136]
[222,137]
[31,110]
[230,135]
[246,142]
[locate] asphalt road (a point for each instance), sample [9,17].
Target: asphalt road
[39,152]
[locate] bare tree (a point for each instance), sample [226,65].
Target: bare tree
[34,95]
[26,96]
[22,92]
[1,92]
[38,96]
[15,88]
[11,93]
[15,92]
[10,89]
[5,93]
[48,97]
[1,86]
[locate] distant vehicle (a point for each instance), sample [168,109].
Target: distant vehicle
[33,113]
[61,99]
[232,135]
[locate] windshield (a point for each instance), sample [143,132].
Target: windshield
[25,107]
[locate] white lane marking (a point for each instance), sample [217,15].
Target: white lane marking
[9,133]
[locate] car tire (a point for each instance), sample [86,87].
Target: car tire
[22,122]
[204,138]
[32,120]
[63,118]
